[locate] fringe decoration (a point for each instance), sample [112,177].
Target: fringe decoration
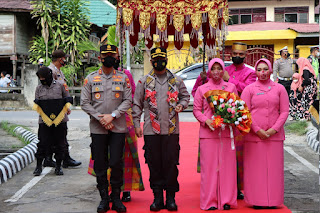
[47,120]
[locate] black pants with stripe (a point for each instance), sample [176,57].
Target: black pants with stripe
[162,156]
[51,139]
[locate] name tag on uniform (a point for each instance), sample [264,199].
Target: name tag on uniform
[260,93]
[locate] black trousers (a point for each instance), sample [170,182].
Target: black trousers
[162,156]
[51,139]
[66,147]
[99,151]
[286,84]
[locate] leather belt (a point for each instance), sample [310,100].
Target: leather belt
[284,79]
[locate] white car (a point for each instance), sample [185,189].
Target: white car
[190,74]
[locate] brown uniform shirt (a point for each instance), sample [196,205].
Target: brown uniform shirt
[283,68]
[57,74]
[140,104]
[55,91]
[106,94]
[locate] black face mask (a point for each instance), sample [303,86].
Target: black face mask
[159,65]
[63,63]
[237,60]
[116,64]
[47,81]
[108,61]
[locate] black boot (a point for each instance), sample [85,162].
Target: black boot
[226,207]
[38,170]
[68,161]
[104,203]
[240,195]
[116,202]
[158,203]
[58,170]
[48,162]
[126,197]
[170,202]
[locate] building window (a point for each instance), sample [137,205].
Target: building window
[247,15]
[291,14]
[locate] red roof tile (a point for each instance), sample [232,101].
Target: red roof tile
[15,5]
[261,26]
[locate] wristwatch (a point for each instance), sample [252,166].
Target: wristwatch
[113,115]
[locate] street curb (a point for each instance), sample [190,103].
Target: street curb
[312,140]
[18,160]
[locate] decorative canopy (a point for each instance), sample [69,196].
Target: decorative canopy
[174,17]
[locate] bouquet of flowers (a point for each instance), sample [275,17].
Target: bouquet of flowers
[228,110]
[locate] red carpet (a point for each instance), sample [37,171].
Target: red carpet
[188,198]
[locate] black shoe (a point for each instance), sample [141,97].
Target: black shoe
[104,203]
[58,171]
[158,203]
[126,197]
[37,171]
[170,202]
[48,162]
[226,207]
[212,208]
[70,162]
[240,195]
[116,202]
[259,207]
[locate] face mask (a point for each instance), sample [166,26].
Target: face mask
[63,63]
[263,75]
[159,65]
[318,54]
[295,80]
[108,61]
[48,80]
[116,64]
[216,74]
[237,60]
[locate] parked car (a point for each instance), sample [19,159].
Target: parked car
[190,74]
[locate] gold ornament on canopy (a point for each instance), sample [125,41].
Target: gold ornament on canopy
[154,16]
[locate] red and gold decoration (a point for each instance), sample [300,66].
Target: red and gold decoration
[174,17]
[228,111]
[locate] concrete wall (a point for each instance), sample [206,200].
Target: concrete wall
[271,4]
[137,72]
[30,83]
[11,101]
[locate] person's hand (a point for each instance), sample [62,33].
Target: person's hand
[178,108]
[203,75]
[69,111]
[109,126]
[271,132]
[262,134]
[105,119]
[226,76]
[209,124]
[138,132]
[300,89]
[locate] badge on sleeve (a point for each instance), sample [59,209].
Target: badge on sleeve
[85,82]
[116,95]
[97,95]
[128,82]
[66,87]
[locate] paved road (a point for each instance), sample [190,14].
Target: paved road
[79,194]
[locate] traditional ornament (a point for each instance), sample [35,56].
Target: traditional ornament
[162,22]
[213,18]
[196,21]
[178,22]
[127,16]
[144,20]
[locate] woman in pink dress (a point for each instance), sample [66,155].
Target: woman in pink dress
[263,147]
[218,188]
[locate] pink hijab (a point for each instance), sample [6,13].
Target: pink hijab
[304,64]
[265,61]
[295,86]
[212,62]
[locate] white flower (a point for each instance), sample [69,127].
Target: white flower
[236,123]
[242,102]
[241,107]
[236,102]
[230,100]
[223,126]
[240,119]
[215,103]
[212,117]
[244,117]
[221,100]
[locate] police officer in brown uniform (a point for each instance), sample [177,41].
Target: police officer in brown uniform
[106,96]
[58,61]
[50,89]
[162,95]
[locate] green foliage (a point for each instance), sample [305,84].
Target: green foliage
[297,127]
[87,46]
[38,49]
[10,127]
[112,36]
[65,23]
[91,69]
